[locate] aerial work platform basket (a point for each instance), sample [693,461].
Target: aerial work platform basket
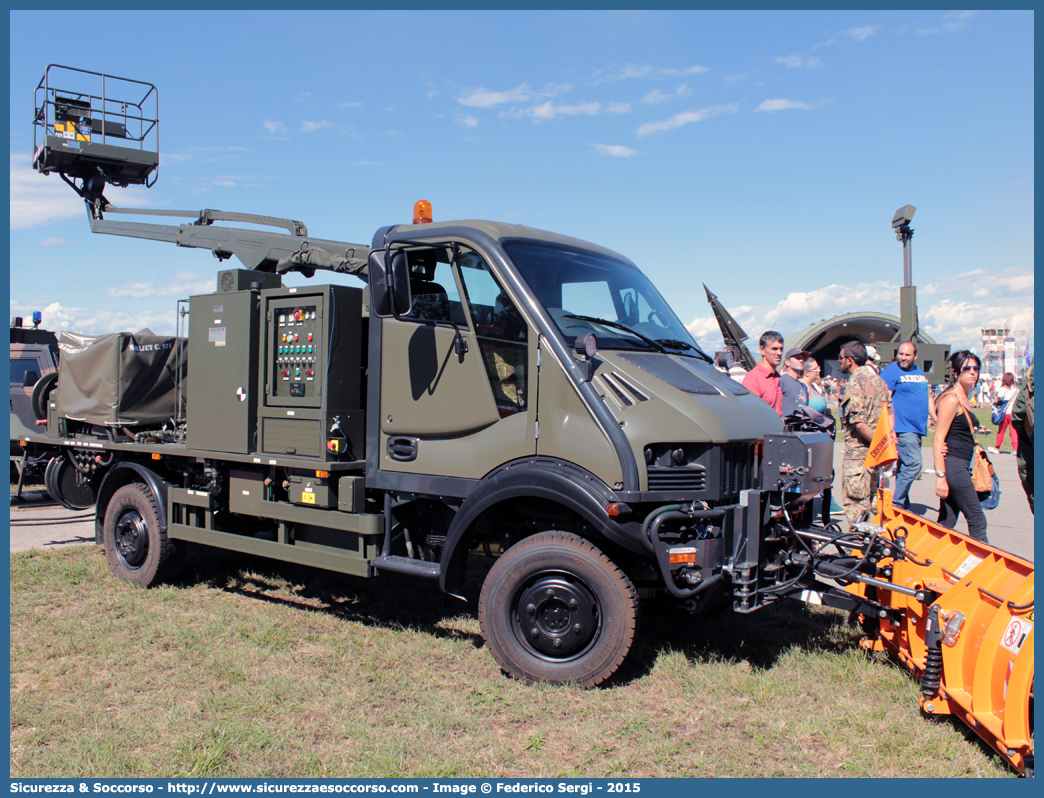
[91,125]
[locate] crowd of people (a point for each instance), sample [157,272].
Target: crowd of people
[793,379]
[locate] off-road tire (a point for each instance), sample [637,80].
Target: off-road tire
[136,546]
[555,609]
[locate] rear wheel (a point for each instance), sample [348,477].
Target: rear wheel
[555,609]
[136,546]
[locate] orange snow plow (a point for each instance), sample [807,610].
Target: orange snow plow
[962,622]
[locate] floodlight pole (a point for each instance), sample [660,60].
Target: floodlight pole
[908,293]
[904,233]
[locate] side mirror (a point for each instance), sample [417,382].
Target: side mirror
[390,283]
[380,295]
[402,297]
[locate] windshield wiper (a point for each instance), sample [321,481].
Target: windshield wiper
[617,326]
[682,345]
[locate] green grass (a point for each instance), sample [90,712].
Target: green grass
[272,670]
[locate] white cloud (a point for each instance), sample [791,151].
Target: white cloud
[647,71]
[38,199]
[796,61]
[618,108]
[615,150]
[55,242]
[205,154]
[308,126]
[482,98]
[951,308]
[683,91]
[957,21]
[550,110]
[468,121]
[782,105]
[274,128]
[864,32]
[182,284]
[685,118]
[656,96]
[99,322]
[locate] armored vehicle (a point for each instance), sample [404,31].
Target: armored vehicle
[34,366]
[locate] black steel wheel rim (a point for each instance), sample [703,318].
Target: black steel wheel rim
[557,616]
[132,538]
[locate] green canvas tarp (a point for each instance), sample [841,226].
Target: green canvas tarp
[121,379]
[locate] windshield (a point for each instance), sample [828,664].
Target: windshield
[581,289]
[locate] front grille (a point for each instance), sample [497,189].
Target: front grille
[687,478]
[740,467]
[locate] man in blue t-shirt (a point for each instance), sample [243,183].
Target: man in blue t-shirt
[912,405]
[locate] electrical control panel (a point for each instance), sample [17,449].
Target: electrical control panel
[297,352]
[313,340]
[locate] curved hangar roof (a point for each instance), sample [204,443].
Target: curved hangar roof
[824,339]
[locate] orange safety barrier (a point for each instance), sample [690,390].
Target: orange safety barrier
[972,646]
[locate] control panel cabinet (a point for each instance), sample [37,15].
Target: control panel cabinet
[311,381]
[222,390]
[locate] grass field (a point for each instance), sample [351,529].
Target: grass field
[272,670]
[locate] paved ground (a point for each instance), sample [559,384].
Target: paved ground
[36,524]
[1010,525]
[39,523]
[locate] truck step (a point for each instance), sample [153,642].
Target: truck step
[407,565]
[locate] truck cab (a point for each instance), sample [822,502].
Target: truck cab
[524,345]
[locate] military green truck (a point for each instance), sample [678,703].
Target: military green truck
[489,389]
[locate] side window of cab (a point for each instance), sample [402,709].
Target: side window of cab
[501,331]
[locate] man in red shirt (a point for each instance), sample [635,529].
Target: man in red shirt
[763,379]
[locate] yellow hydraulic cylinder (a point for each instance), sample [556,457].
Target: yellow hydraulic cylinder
[971,644]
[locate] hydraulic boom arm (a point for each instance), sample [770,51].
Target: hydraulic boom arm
[257,249]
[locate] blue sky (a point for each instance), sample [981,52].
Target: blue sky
[761,153]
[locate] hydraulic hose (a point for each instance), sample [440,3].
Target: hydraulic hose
[657,518]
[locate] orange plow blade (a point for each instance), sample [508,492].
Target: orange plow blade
[971,643]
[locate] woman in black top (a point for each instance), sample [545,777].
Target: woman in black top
[954,445]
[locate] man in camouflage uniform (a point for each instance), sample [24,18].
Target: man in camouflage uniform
[865,397]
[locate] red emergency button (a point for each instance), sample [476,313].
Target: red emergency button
[297,315]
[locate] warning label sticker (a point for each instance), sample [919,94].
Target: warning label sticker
[217,336]
[1015,634]
[967,565]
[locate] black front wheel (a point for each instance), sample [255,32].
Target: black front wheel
[555,609]
[136,545]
